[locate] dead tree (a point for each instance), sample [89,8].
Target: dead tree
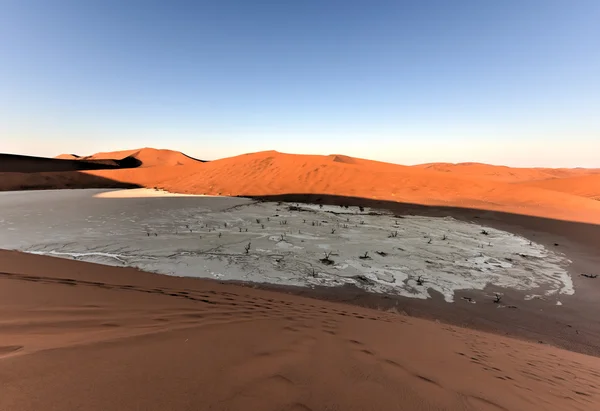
[365,256]
[327,260]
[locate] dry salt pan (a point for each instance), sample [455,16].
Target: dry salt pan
[293,244]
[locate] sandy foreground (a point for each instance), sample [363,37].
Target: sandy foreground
[78,335]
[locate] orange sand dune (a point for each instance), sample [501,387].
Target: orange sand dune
[83,336]
[273,173]
[269,173]
[149,157]
[68,157]
[584,186]
[504,173]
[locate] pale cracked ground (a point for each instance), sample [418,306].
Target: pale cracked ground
[282,243]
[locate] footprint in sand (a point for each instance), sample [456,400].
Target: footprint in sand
[7,350]
[481,403]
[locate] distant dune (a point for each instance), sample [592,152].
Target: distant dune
[148,157]
[68,157]
[504,173]
[470,185]
[584,186]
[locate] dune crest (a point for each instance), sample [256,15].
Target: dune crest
[505,173]
[149,157]
[67,157]
[266,173]
[272,173]
[583,186]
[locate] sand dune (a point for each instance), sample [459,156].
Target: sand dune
[68,157]
[583,186]
[12,163]
[269,173]
[64,171]
[504,173]
[121,339]
[148,157]
[273,173]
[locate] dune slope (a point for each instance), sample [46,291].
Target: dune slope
[583,186]
[12,163]
[504,173]
[148,157]
[272,173]
[121,339]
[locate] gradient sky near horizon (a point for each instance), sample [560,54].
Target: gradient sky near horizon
[513,82]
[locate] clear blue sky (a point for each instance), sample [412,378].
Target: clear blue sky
[512,82]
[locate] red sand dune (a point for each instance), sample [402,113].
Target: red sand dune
[83,336]
[504,173]
[273,173]
[68,157]
[149,157]
[583,186]
[270,173]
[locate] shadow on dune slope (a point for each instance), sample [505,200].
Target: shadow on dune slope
[14,163]
[57,180]
[19,172]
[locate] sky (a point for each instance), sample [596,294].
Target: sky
[514,82]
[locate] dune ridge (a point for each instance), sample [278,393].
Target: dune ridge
[274,173]
[505,173]
[148,157]
[584,186]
